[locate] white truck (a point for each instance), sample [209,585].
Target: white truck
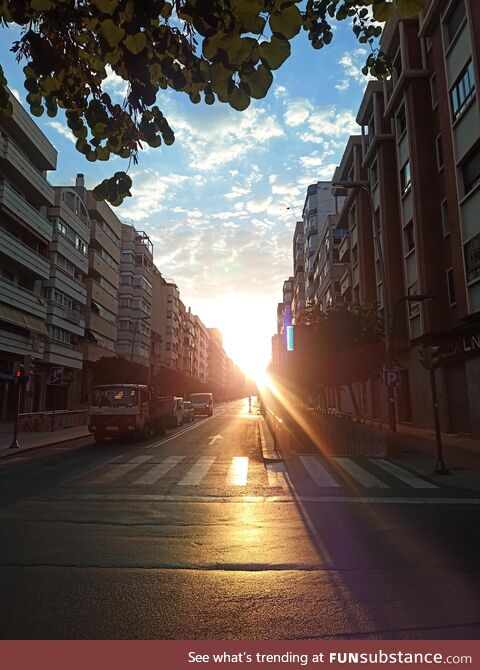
[118,410]
[202,403]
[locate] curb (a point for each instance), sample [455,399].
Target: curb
[269,453]
[21,450]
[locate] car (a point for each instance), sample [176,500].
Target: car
[188,411]
[202,403]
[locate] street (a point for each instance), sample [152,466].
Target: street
[193,535]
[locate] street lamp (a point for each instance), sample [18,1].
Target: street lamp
[140,318]
[365,186]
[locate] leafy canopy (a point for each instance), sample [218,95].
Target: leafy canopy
[223,50]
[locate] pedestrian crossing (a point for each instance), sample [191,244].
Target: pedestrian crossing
[306,471]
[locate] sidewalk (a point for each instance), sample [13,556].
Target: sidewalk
[417,451]
[28,441]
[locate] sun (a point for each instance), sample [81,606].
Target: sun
[247,322]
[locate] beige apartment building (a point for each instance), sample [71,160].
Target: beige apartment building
[135,295]
[25,235]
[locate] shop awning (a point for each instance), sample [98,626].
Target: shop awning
[22,319]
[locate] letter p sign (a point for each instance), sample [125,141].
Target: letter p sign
[391,379]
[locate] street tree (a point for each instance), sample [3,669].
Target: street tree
[119,370]
[211,50]
[338,346]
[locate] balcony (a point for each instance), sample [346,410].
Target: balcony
[20,208]
[15,249]
[343,250]
[68,249]
[345,282]
[27,175]
[68,284]
[66,319]
[59,353]
[98,264]
[21,125]
[312,230]
[23,299]
[97,234]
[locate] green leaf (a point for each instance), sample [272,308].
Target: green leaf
[136,43]
[411,7]
[238,99]
[42,5]
[382,12]
[106,6]
[258,81]
[275,52]
[112,33]
[286,22]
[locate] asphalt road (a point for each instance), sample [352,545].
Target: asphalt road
[193,536]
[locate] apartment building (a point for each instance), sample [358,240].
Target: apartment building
[102,283]
[66,295]
[135,295]
[200,351]
[319,204]
[217,361]
[298,295]
[420,151]
[25,235]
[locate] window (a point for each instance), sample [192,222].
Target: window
[445,223]
[373,180]
[128,257]
[108,287]
[397,67]
[439,146]
[405,177]
[462,90]
[451,288]
[471,171]
[413,307]
[409,238]
[455,19]
[472,259]
[434,91]
[401,121]
[59,334]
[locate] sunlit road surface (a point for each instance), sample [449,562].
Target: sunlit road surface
[192,536]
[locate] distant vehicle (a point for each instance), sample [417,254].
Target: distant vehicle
[188,411]
[202,403]
[118,410]
[175,417]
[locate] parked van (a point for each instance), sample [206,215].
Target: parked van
[202,403]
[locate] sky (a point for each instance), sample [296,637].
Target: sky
[220,204]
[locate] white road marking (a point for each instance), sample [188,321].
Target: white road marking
[238,471]
[214,438]
[263,499]
[158,471]
[404,475]
[277,475]
[198,471]
[119,470]
[179,434]
[362,476]
[318,473]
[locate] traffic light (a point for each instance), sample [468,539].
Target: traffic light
[19,374]
[430,357]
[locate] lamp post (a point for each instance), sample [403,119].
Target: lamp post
[140,318]
[365,186]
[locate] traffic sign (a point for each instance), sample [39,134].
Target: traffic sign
[392,379]
[56,375]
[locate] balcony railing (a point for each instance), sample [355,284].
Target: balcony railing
[25,170]
[14,202]
[21,298]
[23,254]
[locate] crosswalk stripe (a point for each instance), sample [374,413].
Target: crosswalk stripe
[238,471]
[277,475]
[198,471]
[362,476]
[317,472]
[119,470]
[404,475]
[158,471]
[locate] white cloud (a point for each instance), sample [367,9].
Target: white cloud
[63,130]
[298,111]
[151,190]
[236,192]
[351,63]
[279,91]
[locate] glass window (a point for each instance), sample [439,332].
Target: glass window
[439,146]
[401,120]
[455,19]
[433,91]
[462,90]
[445,222]
[471,171]
[451,288]
[409,237]
[472,258]
[405,177]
